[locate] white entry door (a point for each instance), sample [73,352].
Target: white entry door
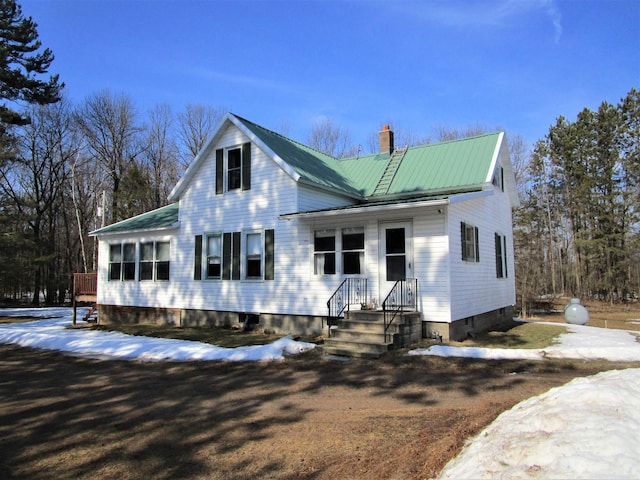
[396,255]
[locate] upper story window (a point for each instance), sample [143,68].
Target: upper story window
[233,168]
[470,243]
[498,178]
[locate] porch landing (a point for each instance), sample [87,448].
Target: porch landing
[361,333]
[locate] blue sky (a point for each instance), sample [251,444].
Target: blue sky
[516,65]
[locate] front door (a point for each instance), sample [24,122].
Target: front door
[396,261]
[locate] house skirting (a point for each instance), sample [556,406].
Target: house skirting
[467,327]
[274,323]
[287,324]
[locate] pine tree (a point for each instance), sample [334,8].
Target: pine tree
[21,65]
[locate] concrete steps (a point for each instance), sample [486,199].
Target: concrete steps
[361,334]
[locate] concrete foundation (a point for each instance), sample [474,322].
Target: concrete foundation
[470,326]
[281,324]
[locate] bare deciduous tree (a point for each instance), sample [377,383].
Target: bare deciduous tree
[109,124]
[195,125]
[331,139]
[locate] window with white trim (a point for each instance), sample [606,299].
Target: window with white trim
[154,261]
[122,261]
[214,256]
[234,168]
[470,242]
[501,256]
[253,255]
[324,252]
[352,250]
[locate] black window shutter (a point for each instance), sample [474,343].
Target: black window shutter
[235,261]
[219,171]
[246,166]
[504,255]
[269,256]
[477,245]
[498,256]
[197,261]
[226,256]
[463,240]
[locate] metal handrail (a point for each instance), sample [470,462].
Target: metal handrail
[402,295]
[350,291]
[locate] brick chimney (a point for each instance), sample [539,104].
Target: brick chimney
[386,139]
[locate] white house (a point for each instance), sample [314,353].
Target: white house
[263,228]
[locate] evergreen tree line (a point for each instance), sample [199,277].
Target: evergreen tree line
[577,231]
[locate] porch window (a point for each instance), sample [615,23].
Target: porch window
[154,261]
[352,250]
[214,256]
[122,261]
[470,243]
[501,256]
[324,252]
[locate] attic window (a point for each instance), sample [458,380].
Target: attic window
[233,168]
[498,178]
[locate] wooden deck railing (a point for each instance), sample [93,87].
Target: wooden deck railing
[85,289]
[85,283]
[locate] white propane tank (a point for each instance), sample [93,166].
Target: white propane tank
[575,313]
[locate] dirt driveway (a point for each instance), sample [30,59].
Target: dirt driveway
[307,417]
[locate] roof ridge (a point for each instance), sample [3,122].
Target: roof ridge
[284,137]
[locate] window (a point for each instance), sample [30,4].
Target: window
[154,261]
[324,252]
[501,256]
[470,244]
[352,250]
[122,261]
[498,178]
[115,261]
[233,168]
[214,256]
[253,255]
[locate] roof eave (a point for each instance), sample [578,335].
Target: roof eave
[98,233]
[364,208]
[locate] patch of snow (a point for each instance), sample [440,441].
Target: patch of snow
[587,429]
[52,334]
[580,342]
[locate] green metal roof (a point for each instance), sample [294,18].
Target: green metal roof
[164,217]
[454,166]
[312,165]
[450,166]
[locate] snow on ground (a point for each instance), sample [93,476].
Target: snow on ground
[51,334]
[586,429]
[580,342]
